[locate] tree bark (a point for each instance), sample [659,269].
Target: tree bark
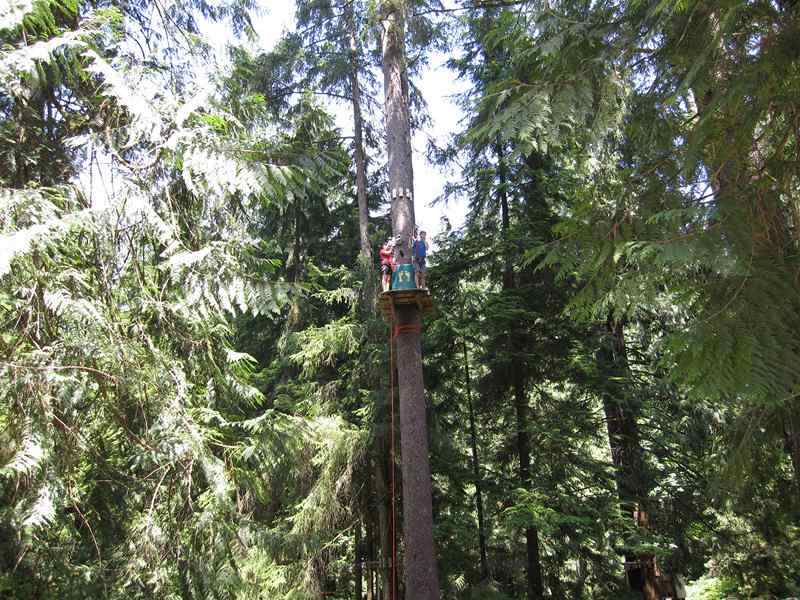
[476,470]
[420,569]
[398,128]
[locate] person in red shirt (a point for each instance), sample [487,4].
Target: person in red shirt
[387,264]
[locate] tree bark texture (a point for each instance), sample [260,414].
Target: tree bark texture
[398,124]
[420,569]
[421,576]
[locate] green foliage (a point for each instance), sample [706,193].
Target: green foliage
[711,588]
[138,459]
[193,379]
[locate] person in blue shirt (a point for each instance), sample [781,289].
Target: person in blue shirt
[419,251]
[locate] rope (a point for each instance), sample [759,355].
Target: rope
[393,335]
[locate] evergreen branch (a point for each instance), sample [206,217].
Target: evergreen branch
[61,367]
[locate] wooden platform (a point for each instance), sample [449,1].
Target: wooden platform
[422,298]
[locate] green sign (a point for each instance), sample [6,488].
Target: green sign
[403,278]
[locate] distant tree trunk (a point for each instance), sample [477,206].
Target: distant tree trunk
[533,567]
[421,576]
[382,499]
[358,141]
[295,270]
[505,217]
[580,581]
[358,570]
[476,469]
[21,177]
[792,444]
[621,412]
[370,535]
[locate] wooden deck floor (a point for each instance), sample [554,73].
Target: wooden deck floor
[422,298]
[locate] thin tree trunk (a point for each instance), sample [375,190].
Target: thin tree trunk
[421,576]
[382,498]
[533,567]
[358,571]
[476,470]
[505,217]
[358,134]
[792,445]
[21,177]
[370,535]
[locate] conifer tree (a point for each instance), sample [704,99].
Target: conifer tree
[420,557]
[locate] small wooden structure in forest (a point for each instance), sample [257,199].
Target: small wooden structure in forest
[389,301]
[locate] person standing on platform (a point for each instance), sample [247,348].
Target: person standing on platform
[419,252]
[387,264]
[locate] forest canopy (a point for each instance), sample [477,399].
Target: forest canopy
[205,391]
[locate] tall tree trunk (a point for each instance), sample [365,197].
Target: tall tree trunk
[358,570]
[533,565]
[358,135]
[621,413]
[421,576]
[397,121]
[476,469]
[382,499]
[370,535]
